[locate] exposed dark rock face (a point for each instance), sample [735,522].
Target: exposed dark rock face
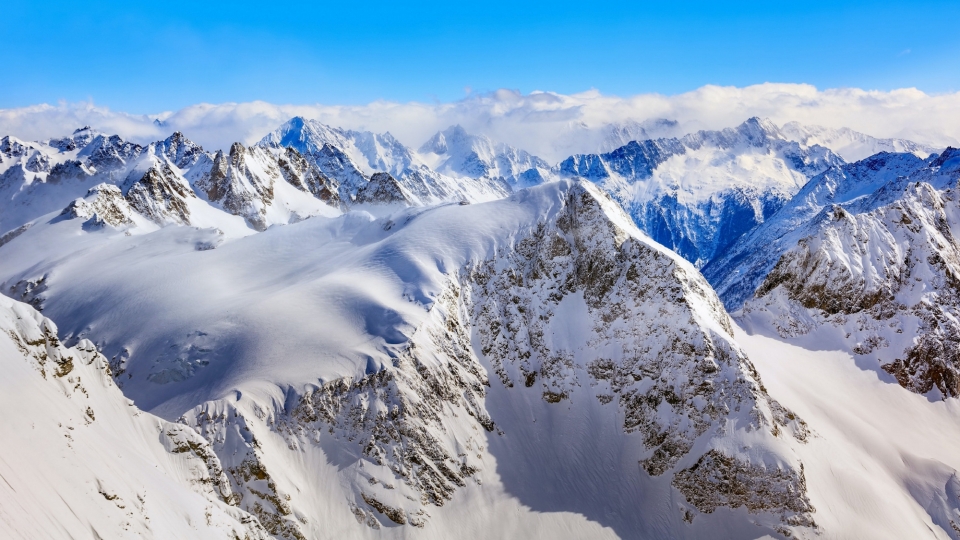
[305,176]
[382,189]
[103,205]
[180,150]
[109,153]
[161,196]
[240,188]
[717,480]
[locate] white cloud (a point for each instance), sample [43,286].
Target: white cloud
[549,124]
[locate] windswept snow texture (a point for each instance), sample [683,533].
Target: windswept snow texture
[698,194]
[883,462]
[361,374]
[79,460]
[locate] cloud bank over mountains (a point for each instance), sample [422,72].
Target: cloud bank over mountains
[547,124]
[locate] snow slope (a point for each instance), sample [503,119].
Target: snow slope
[80,459]
[374,376]
[882,462]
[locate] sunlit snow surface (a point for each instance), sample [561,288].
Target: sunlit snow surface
[883,461]
[235,329]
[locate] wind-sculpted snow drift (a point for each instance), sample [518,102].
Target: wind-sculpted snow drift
[373,371]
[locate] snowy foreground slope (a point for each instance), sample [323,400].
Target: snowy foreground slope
[79,460]
[881,462]
[375,376]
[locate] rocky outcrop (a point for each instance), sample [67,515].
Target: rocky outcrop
[883,271]
[717,480]
[161,195]
[382,189]
[241,182]
[180,151]
[104,204]
[305,176]
[105,153]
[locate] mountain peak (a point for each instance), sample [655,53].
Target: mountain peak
[757,129]
[948,160]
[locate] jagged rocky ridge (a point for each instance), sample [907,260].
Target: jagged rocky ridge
[868,255]
[349,156]
[699,193]
[78,457]
[317,170]
[545,298]
[170,181]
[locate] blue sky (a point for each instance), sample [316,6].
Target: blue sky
[153,56]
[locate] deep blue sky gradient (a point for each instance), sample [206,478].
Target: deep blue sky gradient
[145,57]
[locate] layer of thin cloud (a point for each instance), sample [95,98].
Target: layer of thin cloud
[548,124]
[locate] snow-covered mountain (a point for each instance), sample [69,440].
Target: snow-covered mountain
[303,169]
[356,374]
[170,181]
[80,460]
[853,145]
[617,134]
[391,364]
[349,157]
[455,152]
[698,194]
[867,257]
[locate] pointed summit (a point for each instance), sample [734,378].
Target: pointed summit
[758,130]
[461,154]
